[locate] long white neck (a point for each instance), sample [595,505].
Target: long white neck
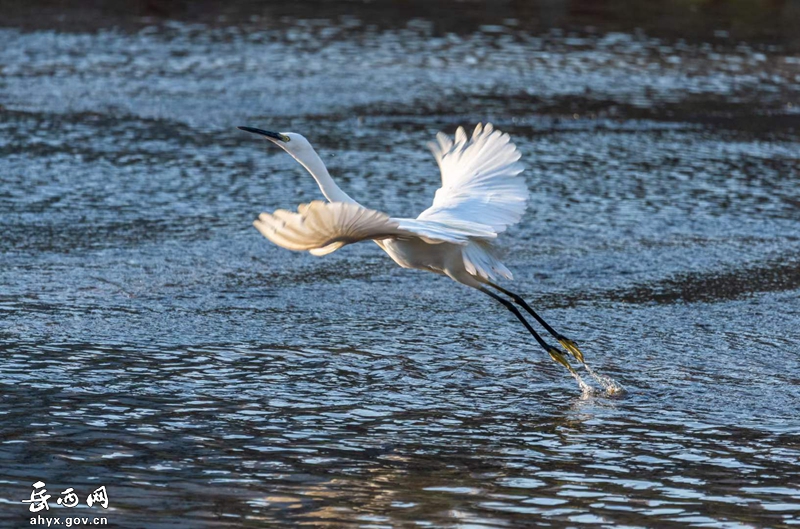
[314,165]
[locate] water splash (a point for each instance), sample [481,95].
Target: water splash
[586,390]
[611,386]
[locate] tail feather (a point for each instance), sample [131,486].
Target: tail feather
[481,261]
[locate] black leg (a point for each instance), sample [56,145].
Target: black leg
[568,344]
[555,354]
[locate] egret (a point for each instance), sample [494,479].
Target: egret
[482,194]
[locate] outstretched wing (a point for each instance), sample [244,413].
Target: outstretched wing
[480,181]
[324,227]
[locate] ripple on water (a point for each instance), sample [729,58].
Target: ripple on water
[152,342]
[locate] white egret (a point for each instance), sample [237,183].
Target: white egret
[482,194]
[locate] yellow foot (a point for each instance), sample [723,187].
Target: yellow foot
[572,348]
[556,355]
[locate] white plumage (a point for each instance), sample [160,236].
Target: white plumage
[482,194]
[323,227]
[480,180]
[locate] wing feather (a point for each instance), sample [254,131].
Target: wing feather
[480,181]
[323,227]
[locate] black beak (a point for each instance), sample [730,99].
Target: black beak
[268,134]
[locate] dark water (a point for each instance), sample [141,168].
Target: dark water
[154,343]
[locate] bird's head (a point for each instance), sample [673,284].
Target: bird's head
[291,142]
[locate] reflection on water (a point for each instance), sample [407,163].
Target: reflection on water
[153,342]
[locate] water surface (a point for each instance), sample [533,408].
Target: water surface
[153,342]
